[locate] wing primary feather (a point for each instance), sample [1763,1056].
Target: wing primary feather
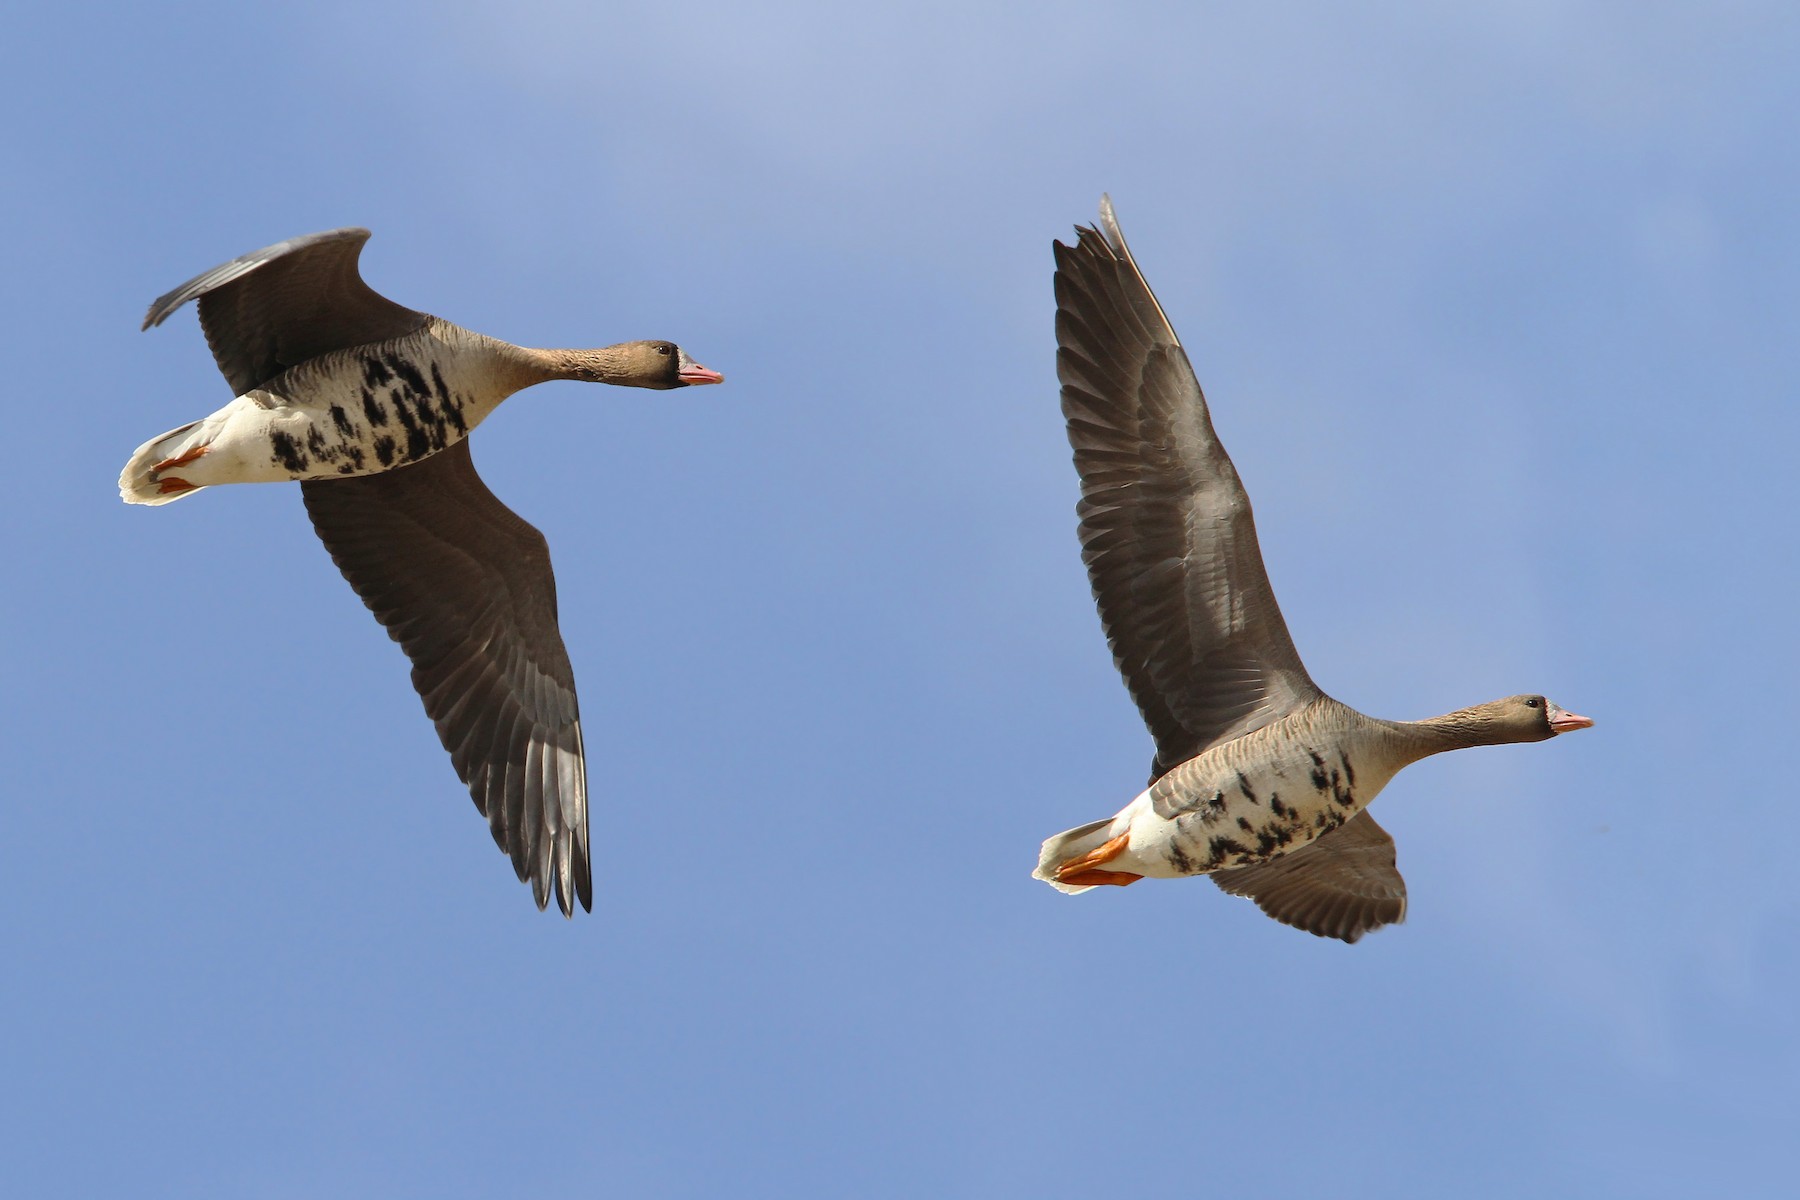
[1166,530]
[466,587]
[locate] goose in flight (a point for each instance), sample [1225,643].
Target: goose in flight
[368,404]
[1260,779]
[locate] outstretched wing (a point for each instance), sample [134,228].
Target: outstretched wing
[1166,529]
[464,585]
[1339,885]
[271,309]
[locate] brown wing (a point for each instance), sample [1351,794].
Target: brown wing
[1166,529]
[464,585]
[1340,885]
[275,307]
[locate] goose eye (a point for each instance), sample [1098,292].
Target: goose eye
[664,349]
[1531,703]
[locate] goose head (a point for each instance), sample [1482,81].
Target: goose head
[665,365]
[649,364]
[1525,718]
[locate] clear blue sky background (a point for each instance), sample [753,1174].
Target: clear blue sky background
[1496,305]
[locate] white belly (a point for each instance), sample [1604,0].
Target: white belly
[1212,813]
[351,412]
[246,442]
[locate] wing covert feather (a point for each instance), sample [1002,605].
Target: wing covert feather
[273,308]
[1340,885]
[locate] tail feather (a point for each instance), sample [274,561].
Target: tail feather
[1067,846]
[138,483]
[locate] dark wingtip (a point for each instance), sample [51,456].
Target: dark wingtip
[584,893]
[159,310]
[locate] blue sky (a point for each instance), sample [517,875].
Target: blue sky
[1496,311]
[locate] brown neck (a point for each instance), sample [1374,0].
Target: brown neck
[1474,726]
[604,365]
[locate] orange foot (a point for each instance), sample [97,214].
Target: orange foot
[1097,878]
[171,486]
[1085,872]
[179,460]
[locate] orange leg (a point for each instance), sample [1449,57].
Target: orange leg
[181,459]
[171,485]
[1096,878]
[1085,872]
